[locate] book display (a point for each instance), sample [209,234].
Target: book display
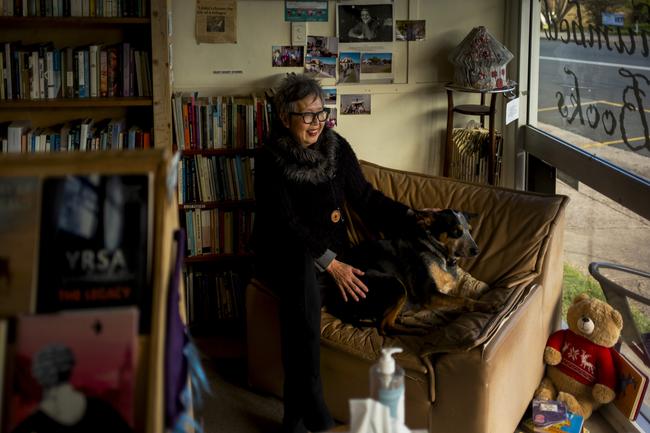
[92,267]
[84,75]
[217,136]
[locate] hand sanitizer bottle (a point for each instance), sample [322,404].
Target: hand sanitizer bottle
[387,385]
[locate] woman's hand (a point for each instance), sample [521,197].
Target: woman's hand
[347,280]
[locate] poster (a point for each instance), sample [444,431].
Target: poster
[216,21]
[305,10]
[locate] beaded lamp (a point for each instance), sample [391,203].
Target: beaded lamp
[480,61]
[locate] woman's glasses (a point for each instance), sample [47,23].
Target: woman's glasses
[309,117]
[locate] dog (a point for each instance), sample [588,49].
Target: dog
[416,270]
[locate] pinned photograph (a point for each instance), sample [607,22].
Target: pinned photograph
[410,30]
[360,22]
[376,63]
[284,56]
[321,67]
[355,104]
[330,96]
[349,67]
[331,120]
[322,46]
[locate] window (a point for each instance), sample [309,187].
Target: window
[588,118]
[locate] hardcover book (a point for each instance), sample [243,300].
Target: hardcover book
[77,376]
[95,244]
[19,204]
[632,386]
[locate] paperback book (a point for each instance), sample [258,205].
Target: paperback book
[19,204]
[77,376]
[552,416]
[95,243]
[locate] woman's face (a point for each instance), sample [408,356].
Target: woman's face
[365,16]
[306,134]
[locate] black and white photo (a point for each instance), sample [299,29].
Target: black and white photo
[360,22]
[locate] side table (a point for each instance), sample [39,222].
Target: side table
[482,110]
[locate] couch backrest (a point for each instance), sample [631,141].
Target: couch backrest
[512,230]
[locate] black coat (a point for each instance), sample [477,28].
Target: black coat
[297,189]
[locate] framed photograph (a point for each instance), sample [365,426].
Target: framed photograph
[361,22]
[356,104]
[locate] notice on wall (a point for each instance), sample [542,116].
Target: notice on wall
[216,21]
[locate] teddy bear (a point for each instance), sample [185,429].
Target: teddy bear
[580,369]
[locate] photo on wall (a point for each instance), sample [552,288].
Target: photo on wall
[410,30]
[305,10]
[376,67]
[331,120]
[330,96]
[363,21]
[287,56]
[356,104]
[322,46]
[321,67]
[349,67]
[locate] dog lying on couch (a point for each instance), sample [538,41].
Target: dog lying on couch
[415,273]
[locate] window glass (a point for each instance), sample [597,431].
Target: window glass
[594,78]
[600,230]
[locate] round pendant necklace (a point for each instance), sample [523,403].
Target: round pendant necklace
[336,215]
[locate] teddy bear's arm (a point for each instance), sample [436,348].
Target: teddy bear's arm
[552,354]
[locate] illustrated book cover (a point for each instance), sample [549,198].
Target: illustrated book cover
[552,416]
[95,243]
[19,215]
[632,386]
[77,376]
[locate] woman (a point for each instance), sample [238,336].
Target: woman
[303,176]
[367,28]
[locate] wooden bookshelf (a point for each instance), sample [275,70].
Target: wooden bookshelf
[148,34]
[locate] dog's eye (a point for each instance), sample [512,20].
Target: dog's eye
[456,233]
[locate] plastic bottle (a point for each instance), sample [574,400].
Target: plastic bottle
[387,385]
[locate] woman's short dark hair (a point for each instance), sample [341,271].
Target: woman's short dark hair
[292,89]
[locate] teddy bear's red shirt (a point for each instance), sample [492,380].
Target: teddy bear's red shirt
[583,360]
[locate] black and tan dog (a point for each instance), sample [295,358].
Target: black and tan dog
[418,270]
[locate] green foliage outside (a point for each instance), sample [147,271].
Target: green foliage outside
[575,282]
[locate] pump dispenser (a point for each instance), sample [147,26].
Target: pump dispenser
[387,384]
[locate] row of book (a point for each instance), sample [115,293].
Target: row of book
[76,135]
[41,71]
[73,8]
[212,178]
[213,296]
[218,231]
[220,122]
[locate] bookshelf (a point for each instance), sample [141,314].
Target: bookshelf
[56,83]
[150,366]
[218,136]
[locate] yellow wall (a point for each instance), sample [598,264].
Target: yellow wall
[408,121]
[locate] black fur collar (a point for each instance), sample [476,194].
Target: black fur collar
[314,164]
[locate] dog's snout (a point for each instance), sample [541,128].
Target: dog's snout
[473,251]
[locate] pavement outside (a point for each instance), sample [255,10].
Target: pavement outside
[598,228]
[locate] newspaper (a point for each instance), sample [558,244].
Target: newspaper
[216,21]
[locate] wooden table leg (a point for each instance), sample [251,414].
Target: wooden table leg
[446,166]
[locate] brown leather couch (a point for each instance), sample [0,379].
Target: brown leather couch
[477,373]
